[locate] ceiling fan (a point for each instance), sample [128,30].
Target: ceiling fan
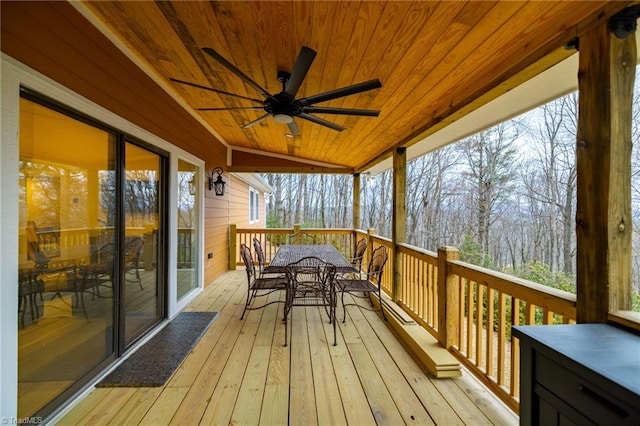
[284,106]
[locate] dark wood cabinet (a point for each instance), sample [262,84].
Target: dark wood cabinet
[583,374]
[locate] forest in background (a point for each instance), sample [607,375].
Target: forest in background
[505,197]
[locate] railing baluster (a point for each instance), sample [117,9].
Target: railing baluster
[490,332]
[502,332]
[470,310]
[515,350]
[479,327]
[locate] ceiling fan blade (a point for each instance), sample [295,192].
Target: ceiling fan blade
[339,93]
[321,121]
[256,121]
[229,108]
[293,128]
[343,111]
[300,69]
[215,55]
[222,92]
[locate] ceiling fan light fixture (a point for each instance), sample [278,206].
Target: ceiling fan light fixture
[283,118]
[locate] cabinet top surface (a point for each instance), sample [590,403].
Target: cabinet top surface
[608,351]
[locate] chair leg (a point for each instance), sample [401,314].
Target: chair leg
[138,277]
[23,302]
[333,314]
[246,304]
[84,309]
[344,310]
[380,301]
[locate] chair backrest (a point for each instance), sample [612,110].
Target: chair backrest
[245,253]
[102,261]
[376,266]
[37,255]
[358,254]
[35,252]
[311,271]
[132,250]
[302,238]
[257,246]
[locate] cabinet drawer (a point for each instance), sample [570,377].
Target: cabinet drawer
[603,407]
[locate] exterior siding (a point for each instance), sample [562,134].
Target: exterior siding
[239,206]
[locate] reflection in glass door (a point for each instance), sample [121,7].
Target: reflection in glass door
[142,249]
[67,200]
[188,217]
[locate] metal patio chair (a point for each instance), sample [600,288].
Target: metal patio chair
[311,282]
[370,282]
[257,285]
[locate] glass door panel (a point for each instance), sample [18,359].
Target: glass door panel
[67,199]
[142,265]
[188,219]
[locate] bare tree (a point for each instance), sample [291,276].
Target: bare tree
[490,157]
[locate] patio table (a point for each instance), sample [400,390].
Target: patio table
[305,288]
[290,253]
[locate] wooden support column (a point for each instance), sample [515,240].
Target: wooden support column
[356,201]
[399,216]
[448,299]
[603,218]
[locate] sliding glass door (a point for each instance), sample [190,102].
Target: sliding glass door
[92,220]
[143,266]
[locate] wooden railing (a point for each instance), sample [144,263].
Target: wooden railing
[469,309]
[271,239]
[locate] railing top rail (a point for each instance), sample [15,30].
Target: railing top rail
[403,248]
[384,239]
[538,294]
[291,230]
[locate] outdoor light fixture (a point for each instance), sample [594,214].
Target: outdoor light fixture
[218,184]
[282,118]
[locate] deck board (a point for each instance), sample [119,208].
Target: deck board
[240,373]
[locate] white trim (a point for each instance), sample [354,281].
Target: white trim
[14,74]
[254,180]
[9,156]
[254,210]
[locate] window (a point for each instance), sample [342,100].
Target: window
[254,205]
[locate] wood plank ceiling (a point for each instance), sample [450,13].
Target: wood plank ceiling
[433,59]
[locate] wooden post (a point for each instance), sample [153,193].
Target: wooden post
[603,218]
[448,299]
[398,233]
[233,247]
[356,201]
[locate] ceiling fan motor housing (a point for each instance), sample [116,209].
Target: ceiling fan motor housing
[283,107]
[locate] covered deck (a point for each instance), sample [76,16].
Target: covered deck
[240,373]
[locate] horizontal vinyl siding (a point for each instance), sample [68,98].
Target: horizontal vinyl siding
[216,231]
[239,206]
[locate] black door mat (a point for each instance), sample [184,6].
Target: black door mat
[156,360]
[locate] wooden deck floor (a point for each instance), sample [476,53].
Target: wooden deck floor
[240,373]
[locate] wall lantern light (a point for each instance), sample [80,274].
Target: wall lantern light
[218,184]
